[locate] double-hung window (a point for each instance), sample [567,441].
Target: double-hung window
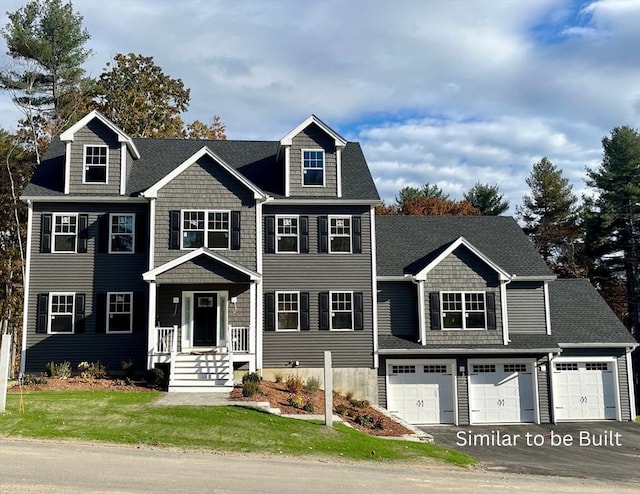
[65,232]
[61,310]
[121,233]
[339,233]
[288,311]
[341,310]
[287,234]
[464,310]
[313,167]
[119,312]
[95,164]
[205,229]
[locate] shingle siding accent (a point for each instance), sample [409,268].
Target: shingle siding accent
[206,186]
[313,138]
[202,269]
[398,309]
[463,271]
[526,307]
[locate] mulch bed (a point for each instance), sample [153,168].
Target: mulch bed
[83,384]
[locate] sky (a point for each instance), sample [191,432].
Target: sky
[447,92]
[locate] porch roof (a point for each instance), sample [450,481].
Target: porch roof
[197,255]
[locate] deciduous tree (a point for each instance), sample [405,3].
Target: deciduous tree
[214,131]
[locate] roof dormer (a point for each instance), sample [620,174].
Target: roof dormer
[313,160]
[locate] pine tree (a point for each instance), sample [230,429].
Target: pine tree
[487,199]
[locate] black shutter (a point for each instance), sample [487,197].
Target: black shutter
[235,230]
[323,234]
[100,310]
[304,234]
[174,237]
[358,311]
[80,309]
[139,314]
[270,309]
[304,311]
[83,232]
[356,234]
[43,313]
[491,310]
[324,310]
[141,239]
[270,224]
[45,234]
[103,233]
[434,309]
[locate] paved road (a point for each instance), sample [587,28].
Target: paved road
[30,467]
[599,450]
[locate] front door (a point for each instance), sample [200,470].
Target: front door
[205,319]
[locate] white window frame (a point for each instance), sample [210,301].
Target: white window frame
[305,168]
[330,219]
[206,228]
[464,311]
[296,218]
[278,311]
[50,313]
[54,234]
[109,313]
[86,165]
[132,234]
[332,311]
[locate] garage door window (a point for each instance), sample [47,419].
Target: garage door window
[435,369]
[597,366]
[403,369]
[572,366]
[481,368]
[515,367]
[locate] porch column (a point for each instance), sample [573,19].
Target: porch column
[258,324]
[151,325]
[252,324]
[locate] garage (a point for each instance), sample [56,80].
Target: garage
[501,392]
[584,390]
[421,391]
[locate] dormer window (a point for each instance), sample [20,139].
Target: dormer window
[95,164]
[313,167]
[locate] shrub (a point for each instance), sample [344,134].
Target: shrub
[129,368]
[365,420]
[308,407]
[153,376]
[295,401]
[278,377]
[312,385]
[50,369]
[340,409]
[62,370]
[359,403]
[250,388]
[98,370]
[378,424]
[349,395]
[251,377]
[34,379]
[294,383]
[83,369]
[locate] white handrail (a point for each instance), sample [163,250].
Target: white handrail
[239,339]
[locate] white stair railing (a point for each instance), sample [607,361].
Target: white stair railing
[239,339]
[167,340]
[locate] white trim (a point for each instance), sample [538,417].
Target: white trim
[152,334]
[288,292]
[461,241]
[69,134]
[550,391]
[123,169]
[90,199]
[422,320]
[547,307]
[50,314]
[448,362]
[107,313]
[67,168]
[252,321]
[599,345]
[374,287]
[605,358]
[632,392]
[27,272]
[206,230]
[324,167]
[205,151]
[323,202]
[222,318]
[287,171]
[287,140]
[152,233]
[292,216]
[475,350]
[133,234]
[516,277]
[463,310]
[405,278]
[152,274]
[329,235]
[259,323]
[53,233]
[504,312]
[352,301]
[339,171]
[85,164]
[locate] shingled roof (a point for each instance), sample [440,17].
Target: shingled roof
[256,160]
[580,315]
[405,244]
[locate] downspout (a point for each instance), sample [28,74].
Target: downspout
[503,309]
[421,309]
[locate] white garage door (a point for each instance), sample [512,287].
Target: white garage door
[501,393]
[421,392]
[584,390]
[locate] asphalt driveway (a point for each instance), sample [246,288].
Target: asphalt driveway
[598,450]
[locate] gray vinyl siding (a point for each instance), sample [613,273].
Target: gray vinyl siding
[205,185]
[526,307]
[544,392]
[382,382]
[398,309]
[463,271]
[89,273]
[312,138]
[462,383]
[95,133]
[315,273]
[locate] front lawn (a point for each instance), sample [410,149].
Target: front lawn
[131,418]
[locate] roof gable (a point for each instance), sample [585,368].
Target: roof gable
[339,141]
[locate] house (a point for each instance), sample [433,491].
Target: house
[214,258]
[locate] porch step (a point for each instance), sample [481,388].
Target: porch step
[208,372]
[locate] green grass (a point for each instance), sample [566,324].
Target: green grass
[130,418]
